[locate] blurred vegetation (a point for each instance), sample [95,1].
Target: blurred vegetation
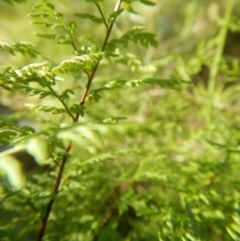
[155,153]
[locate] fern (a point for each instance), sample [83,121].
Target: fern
[21,47]
[109,136]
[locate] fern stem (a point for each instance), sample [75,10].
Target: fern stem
[217,58]
[55,191]
[91,76]
[75,119]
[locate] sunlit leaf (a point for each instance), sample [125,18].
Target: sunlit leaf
[46,35]
[38,148]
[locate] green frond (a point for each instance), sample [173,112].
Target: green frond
[23,47]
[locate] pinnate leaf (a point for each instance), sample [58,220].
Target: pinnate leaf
[89,16]
[136,35]
[77,63]
[23,47]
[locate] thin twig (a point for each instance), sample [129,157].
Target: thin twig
[63,103]
[102,15]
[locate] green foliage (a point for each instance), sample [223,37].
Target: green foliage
[117,133]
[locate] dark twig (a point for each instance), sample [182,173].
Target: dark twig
[55,191]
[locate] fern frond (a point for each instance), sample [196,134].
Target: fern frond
[89,16]
[136,35]
[22,47]
[77,63]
